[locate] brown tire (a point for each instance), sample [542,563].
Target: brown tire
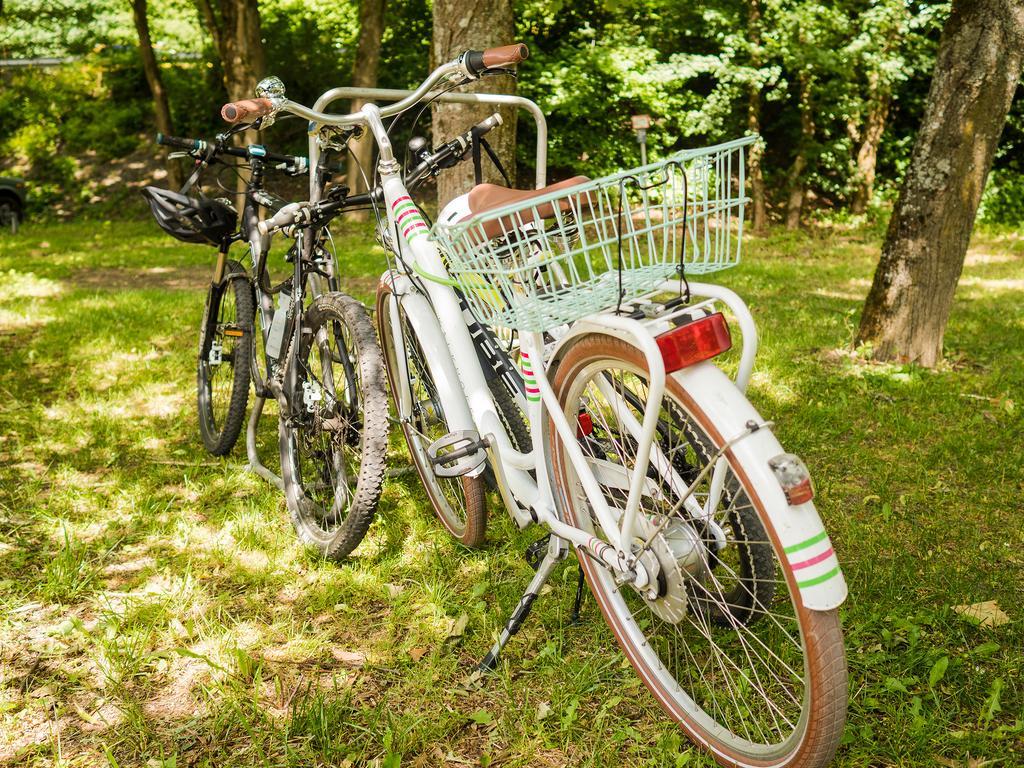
[459,502]
[686,656]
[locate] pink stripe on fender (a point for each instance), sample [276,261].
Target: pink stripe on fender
[402,199]
[411,227]
[814,560]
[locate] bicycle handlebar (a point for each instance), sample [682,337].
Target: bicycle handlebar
[193,146]
[174,141]
[446,156]
[237,111]
[470,65]
[450,153]
[496,58]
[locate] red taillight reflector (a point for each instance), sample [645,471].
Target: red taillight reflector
[584,424]
[800,493]
[696,341]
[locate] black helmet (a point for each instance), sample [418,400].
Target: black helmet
[194,220]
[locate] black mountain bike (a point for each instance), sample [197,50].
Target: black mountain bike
[300,340]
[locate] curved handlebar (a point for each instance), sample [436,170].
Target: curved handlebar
[237,111]
[470,65]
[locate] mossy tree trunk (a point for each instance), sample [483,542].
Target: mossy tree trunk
[364,75]
[977,70]
[473,24]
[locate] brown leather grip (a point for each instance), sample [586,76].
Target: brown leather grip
[506,55]
[237,111]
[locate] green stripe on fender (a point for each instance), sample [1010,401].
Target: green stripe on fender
[818,579]
[805,544]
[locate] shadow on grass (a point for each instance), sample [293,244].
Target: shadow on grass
[156,605]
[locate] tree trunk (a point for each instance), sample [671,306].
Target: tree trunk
[754,170]
[871,137]
[161,107]
[795,180]
[235,27]
[977,70]
[473,24]
[364,75]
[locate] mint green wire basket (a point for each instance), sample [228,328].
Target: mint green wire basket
[572,253]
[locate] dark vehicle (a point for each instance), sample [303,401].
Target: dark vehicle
[12,203]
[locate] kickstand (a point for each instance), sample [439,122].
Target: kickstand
[556,551]
[574,617]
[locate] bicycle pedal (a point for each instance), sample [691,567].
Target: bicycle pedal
[457,453]
[536,551]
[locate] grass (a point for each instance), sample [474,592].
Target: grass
[156,611]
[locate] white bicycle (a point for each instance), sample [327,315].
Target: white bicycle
[551,338]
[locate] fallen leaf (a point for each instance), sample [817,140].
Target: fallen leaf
[473,682]
[986,614]
[394,589]
[349,658]
[459,626]
[543,710]
[417,653]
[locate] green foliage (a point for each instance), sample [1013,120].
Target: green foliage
[594,63]
[1003,200]
[51,118]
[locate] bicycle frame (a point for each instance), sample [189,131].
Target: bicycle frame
[259,250]
[433,308]
[439,325]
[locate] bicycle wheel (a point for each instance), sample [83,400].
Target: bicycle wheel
[225,357]
[334,443]
[727,647]
[459,502]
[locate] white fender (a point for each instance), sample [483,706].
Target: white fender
[805,543]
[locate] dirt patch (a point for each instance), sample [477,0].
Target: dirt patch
[182,279]
[167,278]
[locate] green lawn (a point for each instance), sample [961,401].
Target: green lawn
[156,611]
